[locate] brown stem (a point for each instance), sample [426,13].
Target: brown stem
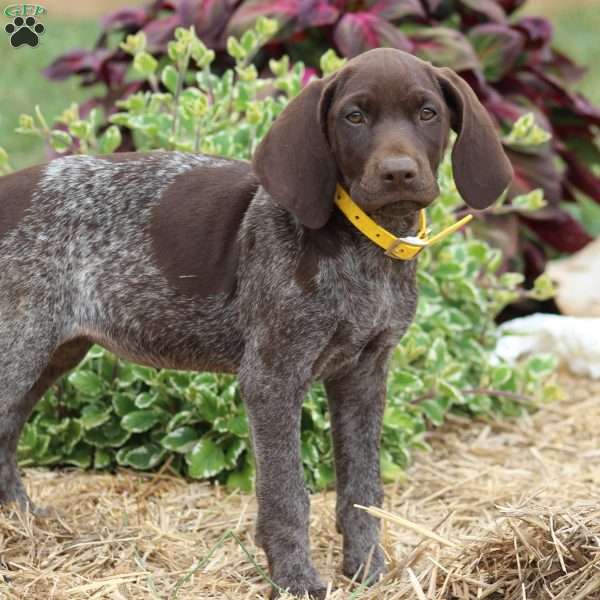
[501,394]
[180,81]
[486,391]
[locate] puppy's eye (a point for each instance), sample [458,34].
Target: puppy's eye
[427,114]
[355,117]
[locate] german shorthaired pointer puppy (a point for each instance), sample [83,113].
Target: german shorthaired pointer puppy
[195,262]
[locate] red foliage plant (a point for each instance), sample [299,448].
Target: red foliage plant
[508,60]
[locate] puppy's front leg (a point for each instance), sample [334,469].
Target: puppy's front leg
[356,404]
[273,397]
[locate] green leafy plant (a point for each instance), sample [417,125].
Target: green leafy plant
[510,59]
[4,164]
[84,133]
[109,412]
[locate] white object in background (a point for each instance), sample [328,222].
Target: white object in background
[574,340]
[577,281]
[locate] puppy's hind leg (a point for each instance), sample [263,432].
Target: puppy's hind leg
[28,367]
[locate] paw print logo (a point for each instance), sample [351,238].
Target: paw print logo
[24,31]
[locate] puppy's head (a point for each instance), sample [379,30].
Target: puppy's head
[380,126]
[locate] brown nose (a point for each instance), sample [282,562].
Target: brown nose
[398,171]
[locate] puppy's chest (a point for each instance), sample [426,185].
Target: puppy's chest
[375,310]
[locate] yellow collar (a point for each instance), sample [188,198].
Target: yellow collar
[401,248]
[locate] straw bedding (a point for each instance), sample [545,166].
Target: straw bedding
[498,510]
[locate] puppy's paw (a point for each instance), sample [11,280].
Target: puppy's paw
[22,502]
[39,511]
[304,581]
[355,563]
[318,592]
[12,491]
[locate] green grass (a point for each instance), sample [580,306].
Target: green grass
[577,34]
[22,85]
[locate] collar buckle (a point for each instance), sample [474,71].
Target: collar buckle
[405,248]
[400,248]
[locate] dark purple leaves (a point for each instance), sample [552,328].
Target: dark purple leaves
[246,15]
[78,62]
[501,107]
[160,32]
[210,19]
[581,177]
[498,49]
[432,6]
[357,32]
[292,15]
[393,10]
[510,64]
[480,11]
[561,66]
[134,18]
[537,31]
[444,48]
[563,232]
[536,171]
[509,6]
[534,259]
[189,10]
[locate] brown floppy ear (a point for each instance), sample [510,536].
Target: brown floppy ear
[481,169]
[294,162]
